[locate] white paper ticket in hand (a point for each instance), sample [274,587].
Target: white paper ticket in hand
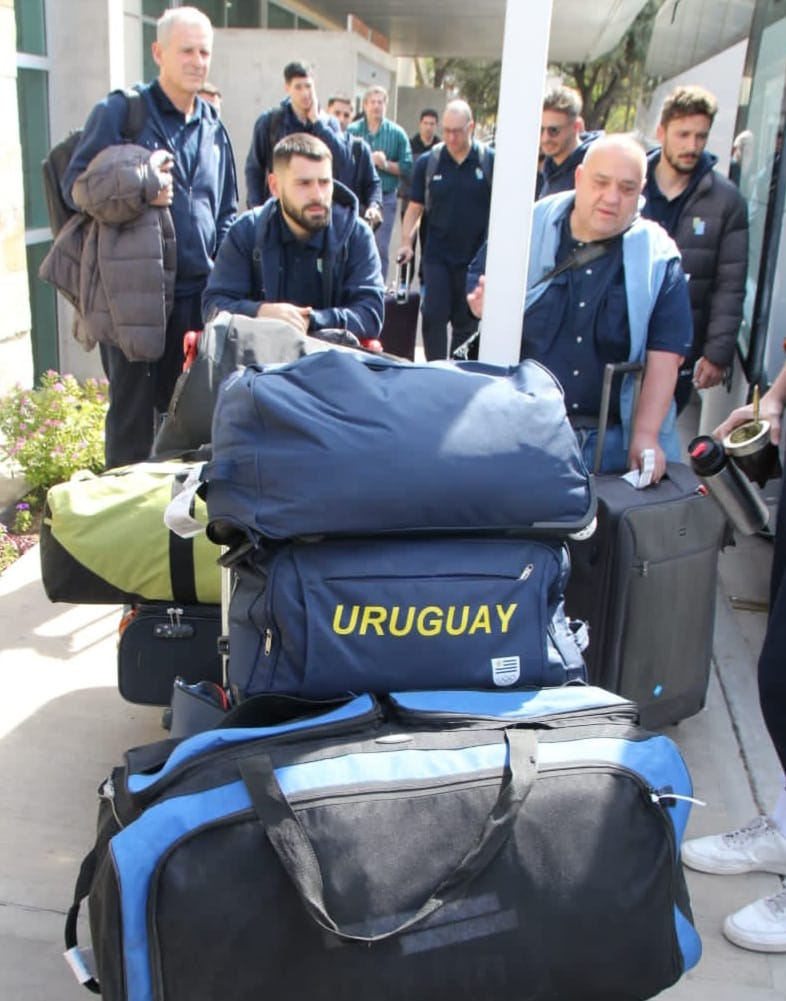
[640,478]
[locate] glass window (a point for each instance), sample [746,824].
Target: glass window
[154,8]
[149,68]
[304,25]
[277,17]
[30,27]
[244,14]
[43,313]
[759,174]
[34,116]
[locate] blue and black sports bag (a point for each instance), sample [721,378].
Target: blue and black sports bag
[507,846]
[339,443]
[320,619]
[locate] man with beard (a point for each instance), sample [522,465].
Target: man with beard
[707,218]
[304,257]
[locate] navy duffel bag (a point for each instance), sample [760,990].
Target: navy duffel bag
[370,615]
[343,444]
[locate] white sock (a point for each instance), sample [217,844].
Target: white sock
[778,815]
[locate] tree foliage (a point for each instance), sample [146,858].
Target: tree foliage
[474,80]
[611,86]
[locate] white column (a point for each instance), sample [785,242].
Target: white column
[524,57]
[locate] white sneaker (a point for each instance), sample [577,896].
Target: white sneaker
[760,926]
[757,847]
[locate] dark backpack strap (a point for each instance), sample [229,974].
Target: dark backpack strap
[83,883]
[136,115]
[431,169]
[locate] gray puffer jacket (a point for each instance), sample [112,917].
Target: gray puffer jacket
[115,261]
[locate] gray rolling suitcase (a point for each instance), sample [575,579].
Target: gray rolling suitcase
[645,583]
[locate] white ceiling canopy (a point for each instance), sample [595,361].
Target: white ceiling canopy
[687,32]
[580,29]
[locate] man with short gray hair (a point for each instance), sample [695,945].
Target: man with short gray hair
[191,156]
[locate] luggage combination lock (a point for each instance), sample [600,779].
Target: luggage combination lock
[175,628]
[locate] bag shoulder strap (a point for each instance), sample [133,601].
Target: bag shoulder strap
[431,169]
[136,115]
[296,853]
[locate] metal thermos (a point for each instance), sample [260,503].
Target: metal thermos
[729,486]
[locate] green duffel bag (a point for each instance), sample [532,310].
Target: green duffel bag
[103,540]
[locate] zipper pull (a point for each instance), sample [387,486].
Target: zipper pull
[268,641]
[107,792]
[666,797]
[526,573]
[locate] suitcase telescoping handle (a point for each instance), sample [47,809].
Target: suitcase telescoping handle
[621,368]
[295,852]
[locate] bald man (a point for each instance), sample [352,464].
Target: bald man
[603,286]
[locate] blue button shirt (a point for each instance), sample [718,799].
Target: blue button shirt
[580,323]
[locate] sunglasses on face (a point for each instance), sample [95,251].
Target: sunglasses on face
[552,130]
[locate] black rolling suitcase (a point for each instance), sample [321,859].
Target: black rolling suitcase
[645,583]
[402,306]
[160,641]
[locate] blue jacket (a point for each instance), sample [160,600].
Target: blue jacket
[358,172]
[259,161]
[205,195]
[249,269]
[646,251]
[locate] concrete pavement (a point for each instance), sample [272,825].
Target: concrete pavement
[63,726]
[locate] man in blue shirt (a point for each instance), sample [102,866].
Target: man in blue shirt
[198,185]
[455,195]
[304,257]
[605,286]
[392,157]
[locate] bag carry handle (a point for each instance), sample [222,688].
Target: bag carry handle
[296,853]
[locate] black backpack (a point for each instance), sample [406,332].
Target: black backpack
[59,157]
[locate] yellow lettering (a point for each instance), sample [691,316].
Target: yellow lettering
[353,621]
[373,617]
[505,616]
[406,629]
[430,621]
[450,627]
[481,621]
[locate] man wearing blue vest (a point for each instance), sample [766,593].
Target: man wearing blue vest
[605,286]
[451,184]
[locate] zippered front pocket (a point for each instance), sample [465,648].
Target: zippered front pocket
[371,615]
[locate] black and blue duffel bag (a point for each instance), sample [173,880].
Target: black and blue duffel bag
[503,846]
[371,615]
[344,444]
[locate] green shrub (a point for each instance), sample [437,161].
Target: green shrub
[50,432]
[8,549]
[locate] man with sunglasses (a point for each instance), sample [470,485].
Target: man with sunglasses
[563,141]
